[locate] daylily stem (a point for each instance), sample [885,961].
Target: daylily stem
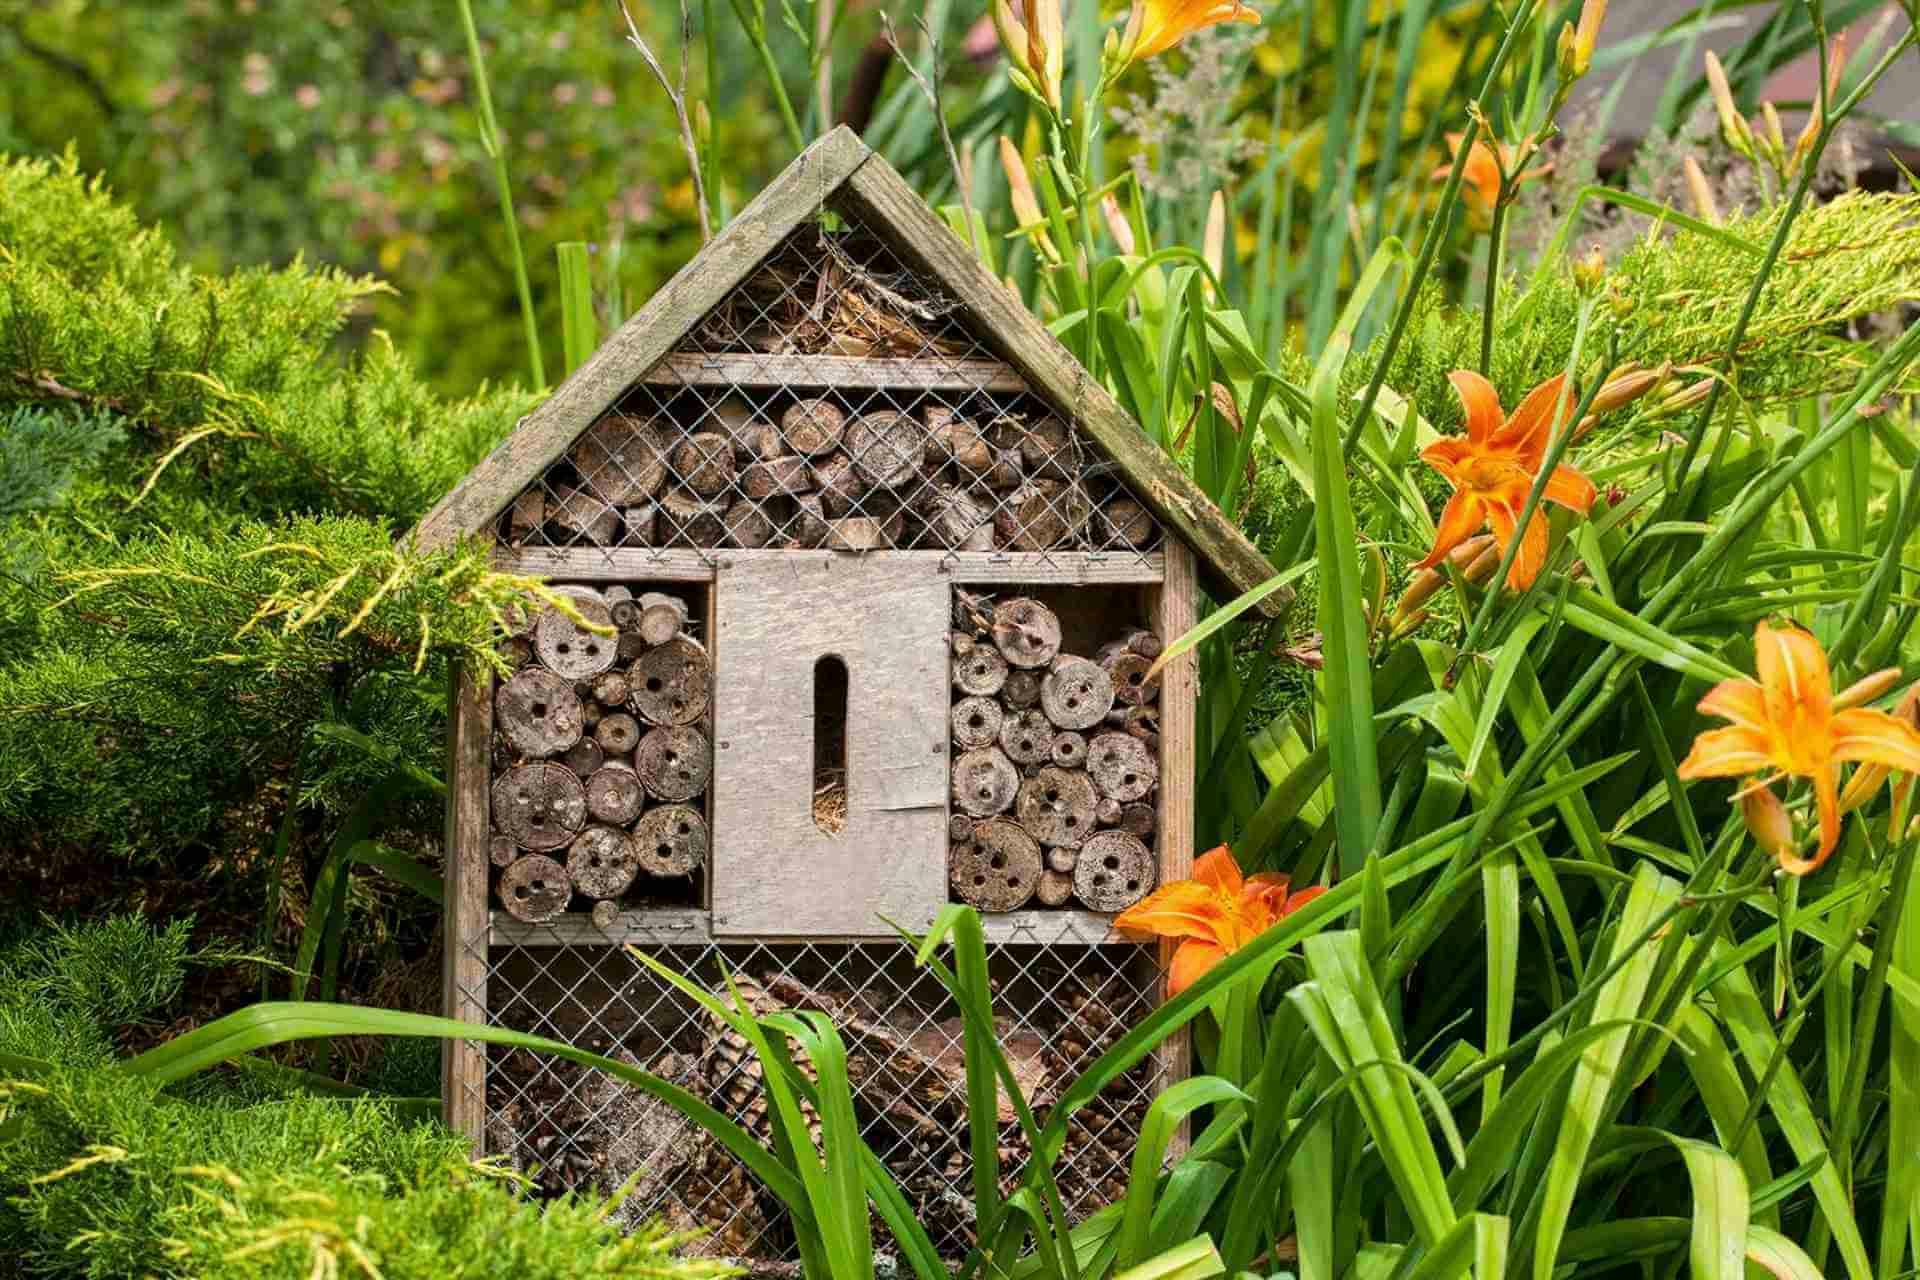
[1489,305]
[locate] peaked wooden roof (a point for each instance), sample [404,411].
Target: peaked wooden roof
[841,167]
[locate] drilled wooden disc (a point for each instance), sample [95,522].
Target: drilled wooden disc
[621,458]
[704,463]
[886,448]
[1121,766]
[976,723]
[980,671]
[671,840]
[1022,689]
[614,794]
[1069,750]
[535,889]
[674,762]
[813,426]
[1056,806]
[601,862]
[672,682]
[1027,738]
[540,805]
[998,869]
[1128,671]
[617,733]
[1054,889]
[610,687]
[1114,872]
[538,713]
[1076,694]
[1026,632]
[984,782]
[662,617]
[569,649]
[959,827]
[584,757]
[626,613]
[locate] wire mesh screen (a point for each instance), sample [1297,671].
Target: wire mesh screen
[571,1128]
[835,399]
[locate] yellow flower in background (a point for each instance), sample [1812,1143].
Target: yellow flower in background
[1789,724]
[1155,26]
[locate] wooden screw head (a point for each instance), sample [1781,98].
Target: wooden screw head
[538,713]
[674,762]
[535,889]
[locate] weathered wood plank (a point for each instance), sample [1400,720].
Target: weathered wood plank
[775,873]
[640,564]
[544,434]
[1175,612]
[891,210]
[463,1063]
[766,369]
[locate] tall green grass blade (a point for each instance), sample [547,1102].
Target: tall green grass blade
[1163,1119]
[579,330]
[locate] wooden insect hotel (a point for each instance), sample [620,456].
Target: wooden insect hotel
[876,574]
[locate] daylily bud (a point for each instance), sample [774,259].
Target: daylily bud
[1013,38]
[1684,398]
[1866,689]
[1732,124]
[1424,584]
[1047,47]
[1484,564]
[1705,207]
[1590,271]
[1026,205]
[1768,822]
[1625,385]
[1592,14]
[1213,245]
[1117,224]
[1774,141]
[1565,59]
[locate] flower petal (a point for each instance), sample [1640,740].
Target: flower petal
[1826,795]
[1182,909]
[1533,422]
[1448,455]
[1740,701]
[1191,962]
[1218,870]
[1861,733]
[1462,518]
[1481,403]
[1796,682]
[1726,753]
[1570,487]
[1302,898]
[1533,545]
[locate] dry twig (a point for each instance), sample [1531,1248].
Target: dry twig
[678,97]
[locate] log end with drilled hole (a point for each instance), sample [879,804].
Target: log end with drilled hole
[1121,766]
[1069,750]
[573,651]
[976,723]
[998,869]
[813,426]
[1026,632]
[601,862]
[1076,693]
[674,762]
[980,672]
[1027,737]
[540,805]
[1131,686]
[617,733]
[621,458]
[1022,690]
[1115,871]
[672,683]
[538,713]
[584,757]
[984,782]
[1055,806]
[615,795]
[535,889]
[671,840]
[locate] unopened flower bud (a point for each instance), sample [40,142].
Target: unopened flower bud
[1590,270]
[1733,126]
[1700,191]
[1867,688]
[1566,57]
[1625,385]
[1768,821]
[1592,14]
[1428,581]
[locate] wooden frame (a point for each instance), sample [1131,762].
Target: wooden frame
[855,373]
[1176,609]
[1007,568]
[464,964]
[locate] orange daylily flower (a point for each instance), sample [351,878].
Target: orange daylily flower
[1787,724]
[1216,913]
[1491,469]
[1155,26]
[1480,181]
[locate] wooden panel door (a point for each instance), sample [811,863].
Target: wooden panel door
[777,616]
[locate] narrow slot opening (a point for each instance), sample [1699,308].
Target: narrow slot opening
[830,744]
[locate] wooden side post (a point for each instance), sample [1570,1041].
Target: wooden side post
[1175,612]
[463,1063]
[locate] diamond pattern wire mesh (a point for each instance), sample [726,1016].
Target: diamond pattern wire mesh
[834,399]
[574,1128]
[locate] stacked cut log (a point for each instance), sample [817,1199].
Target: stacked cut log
[786,472]
[1056,772]
[601,756]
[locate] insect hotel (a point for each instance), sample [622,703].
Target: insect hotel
[874,575]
